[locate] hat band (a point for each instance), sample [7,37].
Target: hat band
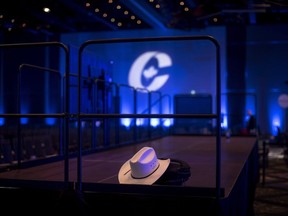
[146,175]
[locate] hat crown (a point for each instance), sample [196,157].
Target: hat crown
[144,163]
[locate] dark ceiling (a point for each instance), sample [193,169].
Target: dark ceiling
[68,16]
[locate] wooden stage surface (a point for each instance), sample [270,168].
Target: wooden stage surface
[198,151]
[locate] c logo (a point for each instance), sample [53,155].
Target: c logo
[138,69]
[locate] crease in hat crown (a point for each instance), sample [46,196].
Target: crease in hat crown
[144,163]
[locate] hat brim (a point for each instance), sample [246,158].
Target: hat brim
[125,177]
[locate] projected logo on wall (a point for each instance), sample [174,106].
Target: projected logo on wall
[145,71]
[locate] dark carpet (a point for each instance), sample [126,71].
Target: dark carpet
[271,196]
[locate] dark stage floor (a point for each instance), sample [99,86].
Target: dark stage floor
[100,191]
[198,151]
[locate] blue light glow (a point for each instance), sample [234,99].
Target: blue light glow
[2,121]
[24,121]
[154,122]
[24,110]
[98,123]
[276,123]
[168,122]
[139,121]
[50,121]
[224,123]
[193,92]
[126,122]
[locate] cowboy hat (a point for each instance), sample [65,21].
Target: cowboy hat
[143,168]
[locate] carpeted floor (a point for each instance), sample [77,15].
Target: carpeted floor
[271,196]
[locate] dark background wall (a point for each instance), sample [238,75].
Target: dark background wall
[33,81]
[252,63]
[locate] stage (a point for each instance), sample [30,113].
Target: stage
[99,182]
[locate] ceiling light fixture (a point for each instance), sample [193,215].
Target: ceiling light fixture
[46,10]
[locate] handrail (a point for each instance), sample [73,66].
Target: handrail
[43,69]
[148,39]
[65,115]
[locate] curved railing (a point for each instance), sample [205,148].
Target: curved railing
[64,115]
[216,115]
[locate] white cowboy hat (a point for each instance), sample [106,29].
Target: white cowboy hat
[143,168]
